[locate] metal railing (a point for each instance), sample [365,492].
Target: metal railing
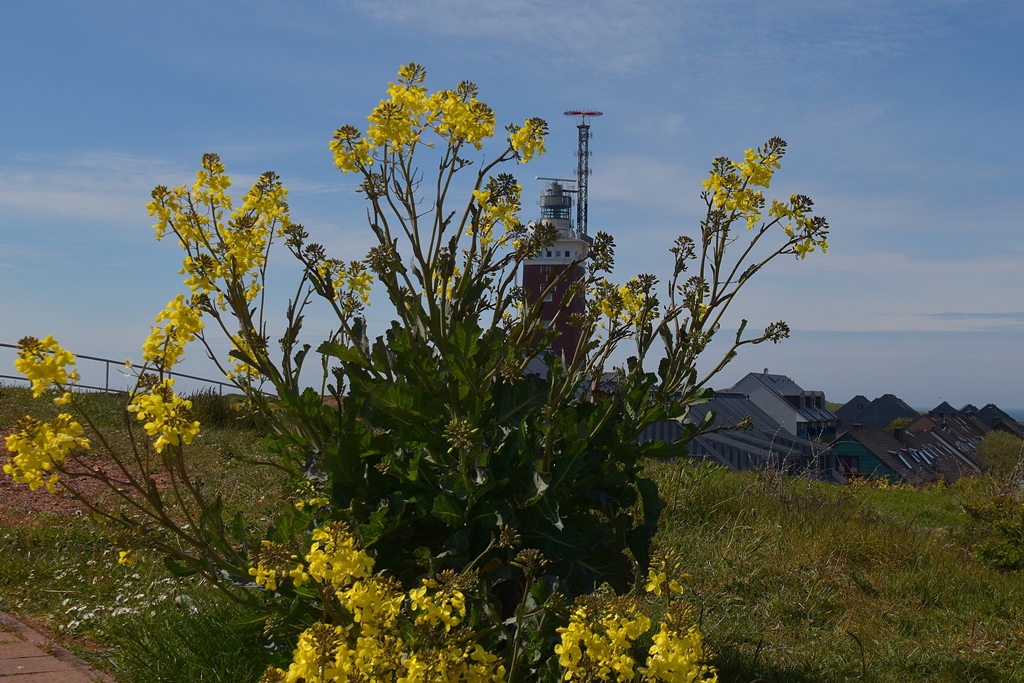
[120,364]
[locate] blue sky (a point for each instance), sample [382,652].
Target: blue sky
[903,121]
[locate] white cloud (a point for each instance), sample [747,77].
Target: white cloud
[612,36]
[617,38]
[99,186]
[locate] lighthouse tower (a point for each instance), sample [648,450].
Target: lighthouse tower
[538,273]
[568,251]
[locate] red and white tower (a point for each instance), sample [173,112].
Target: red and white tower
[568,251]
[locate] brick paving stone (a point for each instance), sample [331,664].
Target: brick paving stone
[30,665]
[50,677]
[27,657]
[15,650]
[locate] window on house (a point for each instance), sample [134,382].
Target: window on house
[549,253]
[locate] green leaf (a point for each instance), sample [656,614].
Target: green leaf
[342,353]
[494,512]
[373,528]
[455,484]
[548,506]
[448,510]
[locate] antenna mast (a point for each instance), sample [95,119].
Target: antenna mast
[582,165]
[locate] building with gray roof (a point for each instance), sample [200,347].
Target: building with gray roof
[801,413]
[744,437]
[859,413]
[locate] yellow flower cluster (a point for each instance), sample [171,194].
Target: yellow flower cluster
[312,503]
[275,563]
[36,447]
[436,606]
[335,559]
[382,643]
[656,578]
[495,209]
[597,645]
[309,494]
[241,368]
[758,167]
[398,123]
[44,362]
[165,345]
[800,224]
[354,279]
[677,655]
[165,416]
[351,152]
[627,303]
[598,642]
[528,141]
[462,117]
[730,185]
[220,252]
[663,571]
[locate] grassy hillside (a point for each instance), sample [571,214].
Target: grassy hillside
[800,581]
[792,580]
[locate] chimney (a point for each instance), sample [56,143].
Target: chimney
[857,426]
[898,433]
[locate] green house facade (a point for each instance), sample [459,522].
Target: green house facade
[853,458]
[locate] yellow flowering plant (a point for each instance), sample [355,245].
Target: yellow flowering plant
[455,507]
[377,631]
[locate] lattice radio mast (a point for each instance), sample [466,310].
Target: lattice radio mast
[582,165]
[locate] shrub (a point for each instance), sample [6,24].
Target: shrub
[1000,453]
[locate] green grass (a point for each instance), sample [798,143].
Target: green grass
[137,621]
[134,621]
[792,580]
[800,581]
